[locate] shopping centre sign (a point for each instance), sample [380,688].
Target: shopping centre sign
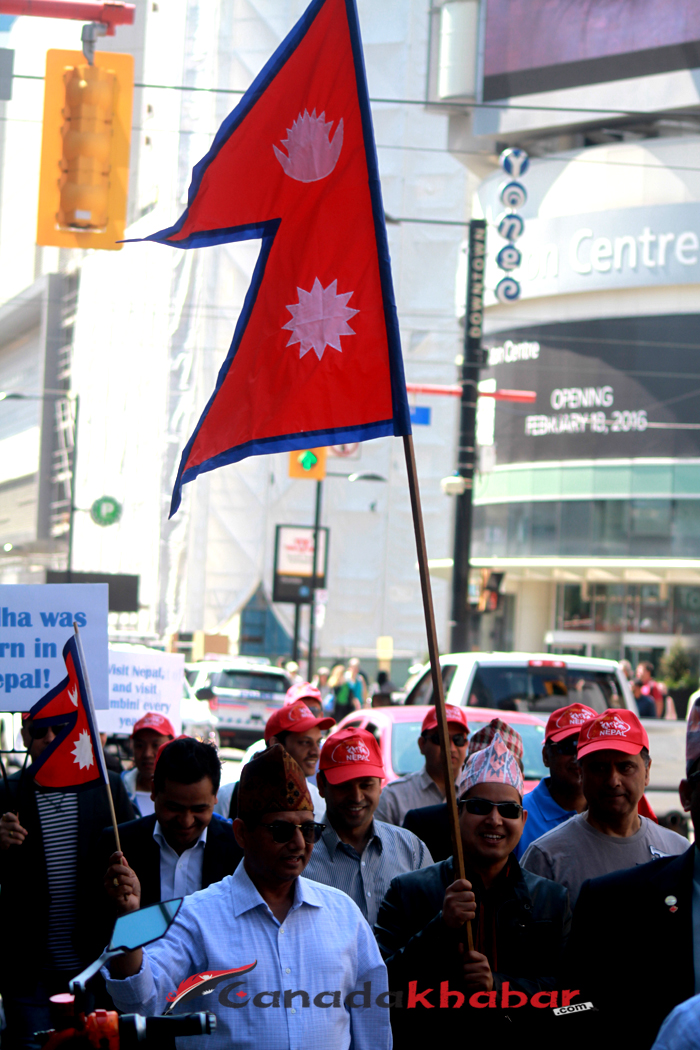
[624,248]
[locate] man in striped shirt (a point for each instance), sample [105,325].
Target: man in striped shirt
[356,853]
[45,838]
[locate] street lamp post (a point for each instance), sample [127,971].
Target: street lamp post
[58,395]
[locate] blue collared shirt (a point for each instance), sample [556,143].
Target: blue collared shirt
[543,814]
[365,878]
[180,873]
[681,1029]
[323,945]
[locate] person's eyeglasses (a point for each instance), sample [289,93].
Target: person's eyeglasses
[694,779]
[459,739]
[568,746]
[39,732]
[481,807]
[283,830]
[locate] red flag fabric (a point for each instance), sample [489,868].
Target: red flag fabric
[315,358]
[75,756]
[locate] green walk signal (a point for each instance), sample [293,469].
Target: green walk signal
[307,460]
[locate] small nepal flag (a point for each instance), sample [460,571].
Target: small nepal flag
[315,358]
[75,756]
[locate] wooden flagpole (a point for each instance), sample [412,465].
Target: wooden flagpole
[434,655]
[93,718]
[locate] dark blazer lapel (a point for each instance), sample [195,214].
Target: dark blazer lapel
[145,860]
[676,928]
[221,853]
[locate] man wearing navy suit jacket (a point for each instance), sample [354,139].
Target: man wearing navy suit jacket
[634,950]
[182,847]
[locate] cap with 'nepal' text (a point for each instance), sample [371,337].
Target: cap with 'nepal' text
[617,729]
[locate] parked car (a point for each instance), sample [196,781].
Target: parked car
[397,729]
[534,682]
[241,693]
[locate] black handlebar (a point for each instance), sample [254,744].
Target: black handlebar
[155,1031]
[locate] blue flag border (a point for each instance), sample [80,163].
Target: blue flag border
[399,424]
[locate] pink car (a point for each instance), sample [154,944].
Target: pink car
[397,730]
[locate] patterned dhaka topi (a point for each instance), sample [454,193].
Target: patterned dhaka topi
[495,764]
[482,739]
[272,782]
[692,739]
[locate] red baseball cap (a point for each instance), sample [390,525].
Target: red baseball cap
[295,718]
[302,691]
[617,729]
[158,723]
[567,721]
[455,716]
[351,753]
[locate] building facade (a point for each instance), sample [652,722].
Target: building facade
[587,499]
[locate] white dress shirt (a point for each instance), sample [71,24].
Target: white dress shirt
[324,945]
[181,873]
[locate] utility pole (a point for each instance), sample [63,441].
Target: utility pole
[472,361]
[314,581]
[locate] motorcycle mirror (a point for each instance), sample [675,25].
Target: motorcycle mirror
[139,928]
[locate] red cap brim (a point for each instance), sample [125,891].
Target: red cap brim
[626,746]
[303,724]
[339,774]
[564,734]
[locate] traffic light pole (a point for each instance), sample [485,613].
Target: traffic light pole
[471,363]
[314,574]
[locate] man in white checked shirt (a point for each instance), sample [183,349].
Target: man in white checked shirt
[319,982]
[356,853]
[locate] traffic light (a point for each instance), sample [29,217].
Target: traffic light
[308,464]
[85,141]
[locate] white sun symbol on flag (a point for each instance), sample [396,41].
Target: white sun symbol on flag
[73,696]
[319,319]
[83,750]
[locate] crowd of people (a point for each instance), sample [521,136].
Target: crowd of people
[341,888]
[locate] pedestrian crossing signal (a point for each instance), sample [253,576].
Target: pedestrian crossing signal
[309,463]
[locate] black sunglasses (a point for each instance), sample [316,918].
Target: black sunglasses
[459,739]
[481,807]
[568,746]
[39,732]
[283,830]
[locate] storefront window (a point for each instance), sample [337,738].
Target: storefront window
[610,607]
[647,608]
[686,610]
[573,608]
[580,528]
[654,610]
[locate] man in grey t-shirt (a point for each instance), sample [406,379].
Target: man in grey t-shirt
[610,835]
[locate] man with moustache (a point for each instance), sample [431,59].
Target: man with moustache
[356,853]
[307,940]
[613,749]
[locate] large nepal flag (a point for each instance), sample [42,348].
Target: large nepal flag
[315,358]
[75,756]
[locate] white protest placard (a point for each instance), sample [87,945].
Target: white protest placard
[142,680]
[36,621]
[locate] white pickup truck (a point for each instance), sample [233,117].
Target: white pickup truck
[542,682]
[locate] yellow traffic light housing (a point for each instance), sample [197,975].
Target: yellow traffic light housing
[310,463]
[86,136]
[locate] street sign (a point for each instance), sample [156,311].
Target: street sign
[294,554]
[309,463]
[420,415]
[106,511]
